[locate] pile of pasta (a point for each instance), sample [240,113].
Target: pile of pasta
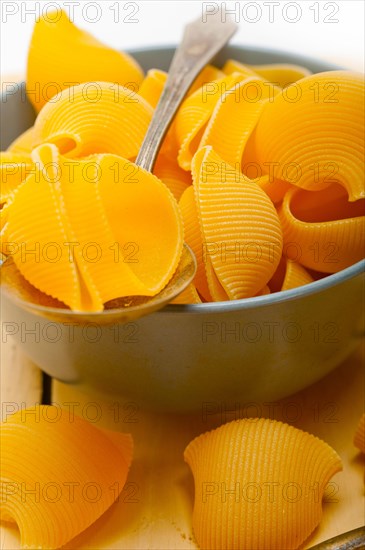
[261,173]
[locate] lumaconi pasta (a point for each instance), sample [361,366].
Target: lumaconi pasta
[168,171]
[62,55]
[152,86]
[324,240]
[194,238]
[128,256]
[78,475]
[328,149]
[289,274]
[195,113]
[104,119]
[243,105]
[240,225]
[281,74]
[359,439]
[259,483]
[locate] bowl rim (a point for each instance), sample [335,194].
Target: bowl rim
[327,282]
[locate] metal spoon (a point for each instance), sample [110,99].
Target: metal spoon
[200,43]
[352,540]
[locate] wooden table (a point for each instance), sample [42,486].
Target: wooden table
[155,510]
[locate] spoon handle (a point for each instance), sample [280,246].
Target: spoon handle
[200,42]
[352,540]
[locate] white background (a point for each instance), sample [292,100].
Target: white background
[332,31]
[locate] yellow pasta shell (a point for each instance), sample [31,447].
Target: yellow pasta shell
[107,119]
[232,66]
[145,219]
[275,189]
[194,238]
[208,74]
[188,296]
[216,290]
[168,171]
[62,55]
[322,230]
[315,134]
[289,274]
[14,168]
[239,223]
[194,114]
[281,74]
[59,474]
[259,484]
[234,118]
[359,439]
[152,86]
[23,144]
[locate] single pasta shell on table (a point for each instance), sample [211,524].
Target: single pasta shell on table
[322,229]
[168,171]
[194,114]
[194,238]
[258,485]
[23,144]
[103,118]
[62,55]
[234,118]
[240,226]
[14,168]
[59,474]
[315,130]
[359,439]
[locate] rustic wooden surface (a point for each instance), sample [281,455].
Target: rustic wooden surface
[155,508]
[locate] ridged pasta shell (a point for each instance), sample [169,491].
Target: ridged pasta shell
[107,119]
[281,74]
[188,296]
[152,86]
[359,439]
[194,238]
[315,134]
[258,485]
[62,55]
[105,229]
[275,189]
[234,118]
[240,226]
[59,474]
[194,114]
[168,171]
[289,274]
[322,230]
